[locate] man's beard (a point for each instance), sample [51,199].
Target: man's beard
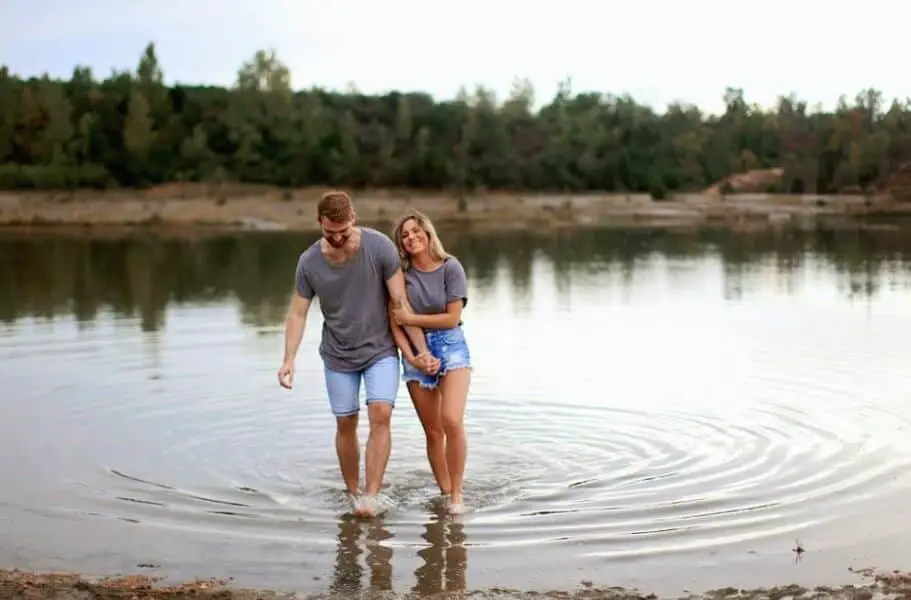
[338,244]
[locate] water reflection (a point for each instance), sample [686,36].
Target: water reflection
[690,429]
[348,574]
[362,550]
[445,559]
[49,276]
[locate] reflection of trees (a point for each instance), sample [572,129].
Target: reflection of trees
[348,573]
[445,560]
[140,276]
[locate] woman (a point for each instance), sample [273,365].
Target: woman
[436,292]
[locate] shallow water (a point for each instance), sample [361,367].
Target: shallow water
[667,410]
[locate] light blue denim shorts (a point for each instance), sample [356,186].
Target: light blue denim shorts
[381,383]
[450,346]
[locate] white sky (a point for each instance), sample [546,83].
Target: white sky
[656,50]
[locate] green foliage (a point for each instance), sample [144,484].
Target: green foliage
[132,130]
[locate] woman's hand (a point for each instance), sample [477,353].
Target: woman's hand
[426,363]
[402,315]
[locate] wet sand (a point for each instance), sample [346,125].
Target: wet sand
[871,585]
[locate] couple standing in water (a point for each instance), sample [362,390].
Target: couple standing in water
[379,298]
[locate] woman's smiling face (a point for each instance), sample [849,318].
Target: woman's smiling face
[414,238]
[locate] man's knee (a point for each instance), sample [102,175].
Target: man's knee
[346,426]
[380,414]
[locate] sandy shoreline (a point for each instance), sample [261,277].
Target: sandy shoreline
[18,584]
[269,209]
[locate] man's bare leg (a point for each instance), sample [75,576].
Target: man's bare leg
[379,445]
[349,452]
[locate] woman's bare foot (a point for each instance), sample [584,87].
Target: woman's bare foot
[455,506]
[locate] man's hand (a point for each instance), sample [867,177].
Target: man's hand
[286,375]
[428,363]
[294,332]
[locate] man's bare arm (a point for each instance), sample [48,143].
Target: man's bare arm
[398,334]
[397,299]
[294,325]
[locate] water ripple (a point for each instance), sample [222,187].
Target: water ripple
[598,476]
[758,435]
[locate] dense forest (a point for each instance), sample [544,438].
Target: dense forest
[131,130]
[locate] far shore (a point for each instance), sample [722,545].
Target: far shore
[871,585]
[264,208]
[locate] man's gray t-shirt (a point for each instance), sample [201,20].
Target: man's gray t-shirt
[353,299]
[430,291]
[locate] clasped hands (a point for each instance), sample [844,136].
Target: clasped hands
[425,361]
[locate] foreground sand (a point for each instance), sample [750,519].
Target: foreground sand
[265,208]
[872,585]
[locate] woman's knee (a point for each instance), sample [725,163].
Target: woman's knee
[454,392]
[432,423]
[434,433]
[452,422]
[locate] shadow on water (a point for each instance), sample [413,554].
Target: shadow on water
[142,276]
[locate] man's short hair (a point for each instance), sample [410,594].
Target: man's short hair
[336,207]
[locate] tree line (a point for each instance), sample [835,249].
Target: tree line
[132,130]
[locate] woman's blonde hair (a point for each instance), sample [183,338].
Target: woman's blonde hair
[437,251]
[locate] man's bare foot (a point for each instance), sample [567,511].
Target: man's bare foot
[369,506]
[354,501]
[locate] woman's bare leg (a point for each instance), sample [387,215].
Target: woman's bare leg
[427,403]
[454,389]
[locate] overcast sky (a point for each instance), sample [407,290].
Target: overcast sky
[656,50]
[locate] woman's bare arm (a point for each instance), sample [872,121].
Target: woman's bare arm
[446,320]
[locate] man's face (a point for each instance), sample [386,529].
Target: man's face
[336,234]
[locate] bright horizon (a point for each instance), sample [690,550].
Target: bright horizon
[769,50]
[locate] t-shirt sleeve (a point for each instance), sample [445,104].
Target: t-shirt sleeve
[301,284]
[387,256]
[455,281]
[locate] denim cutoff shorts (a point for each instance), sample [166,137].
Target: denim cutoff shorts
[448,345]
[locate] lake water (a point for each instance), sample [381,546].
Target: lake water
[665,410]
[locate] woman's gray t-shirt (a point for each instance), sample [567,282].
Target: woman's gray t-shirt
[430,291]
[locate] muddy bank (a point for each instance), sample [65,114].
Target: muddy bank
[871,585]
[250,207]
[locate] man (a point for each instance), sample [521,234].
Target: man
[353,270]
